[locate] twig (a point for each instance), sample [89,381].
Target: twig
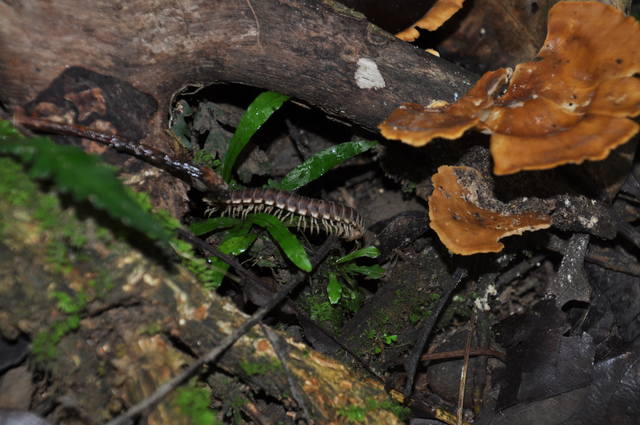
[628,232]
[430,322]
[603,257]
[460,353]
[483,336]
[201,178]
[281,351]
[519,270]
[262,286]
[464,372]
[229,259]
[226,342]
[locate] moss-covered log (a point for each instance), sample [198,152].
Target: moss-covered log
[110,322]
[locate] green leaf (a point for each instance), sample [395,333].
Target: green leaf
[370,251]
[257,113]
[291,246]
[83,176]
[322,162]
[236,241]
[389,339]
[334,289]
[211,224]
[237,244]
[370,272]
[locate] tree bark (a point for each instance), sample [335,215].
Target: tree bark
[304,48]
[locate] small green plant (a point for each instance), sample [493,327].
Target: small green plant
[353,413]
[389,339]
[193,401]
[346,270]
[259,367]
[44,346]
[238,237]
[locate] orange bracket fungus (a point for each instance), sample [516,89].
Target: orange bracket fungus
[571,104]
[437,15]
[467,220]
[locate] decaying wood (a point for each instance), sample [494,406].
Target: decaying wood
[143,321]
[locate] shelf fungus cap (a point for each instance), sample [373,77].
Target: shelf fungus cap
[571,104]
[437,15]
[417,125]
[460,216]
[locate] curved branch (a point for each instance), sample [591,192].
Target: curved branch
[308,49]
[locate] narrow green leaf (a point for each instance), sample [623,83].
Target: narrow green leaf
[370,251]
[257,113]
[237,244]
[82,175]
[334,289]
[211,224]
[370,272]
[236,241]
[291,246]
[322,162]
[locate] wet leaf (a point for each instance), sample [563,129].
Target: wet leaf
[322,162]
[257,113]
[211,224]
[236,241]
[334,289]
[370,251]
[291,246]
[370,272]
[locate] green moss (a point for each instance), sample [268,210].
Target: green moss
[70,304]
[259,367]
[353,413]
[44,346]
[151,329]
[202,157]
[101,285]
[14,187]
[397,409]
[193,402]
[58,256]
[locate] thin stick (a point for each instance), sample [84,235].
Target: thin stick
[460,353]
[226,342]
[464,373]
[229,259]
[201,178]
[280,349]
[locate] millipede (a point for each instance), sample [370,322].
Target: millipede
[316,214]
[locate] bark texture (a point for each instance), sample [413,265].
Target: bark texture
[307,49]
[109,324]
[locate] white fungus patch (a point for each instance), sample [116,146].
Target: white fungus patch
[368,76]
[482,303]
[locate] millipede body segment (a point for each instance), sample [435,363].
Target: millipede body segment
[316,214]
